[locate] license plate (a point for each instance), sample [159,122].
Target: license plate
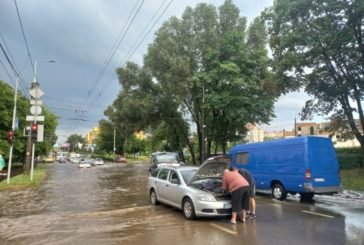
[319,179]
[227,205]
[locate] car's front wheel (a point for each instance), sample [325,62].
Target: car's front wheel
[153,197]
[188,209]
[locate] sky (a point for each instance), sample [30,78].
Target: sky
[88,40]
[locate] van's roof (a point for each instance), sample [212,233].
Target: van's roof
[279,142]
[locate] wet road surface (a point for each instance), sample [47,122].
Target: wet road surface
[109,204]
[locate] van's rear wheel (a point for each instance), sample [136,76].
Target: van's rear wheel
[306,196]
[278,192]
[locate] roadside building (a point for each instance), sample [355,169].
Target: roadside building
[254,134]
[91,136]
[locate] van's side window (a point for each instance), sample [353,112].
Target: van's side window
[242,158]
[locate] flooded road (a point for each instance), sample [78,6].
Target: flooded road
[109,204]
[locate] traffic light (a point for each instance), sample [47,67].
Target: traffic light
[11,137]
[34,132]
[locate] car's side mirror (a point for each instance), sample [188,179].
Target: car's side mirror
[175,181]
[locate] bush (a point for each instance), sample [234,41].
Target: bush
[350,161]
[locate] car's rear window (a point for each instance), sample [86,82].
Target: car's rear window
[155,172]
[167,158]
[163,174]
[188,174]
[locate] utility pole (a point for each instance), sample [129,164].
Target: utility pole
[295,127]
[13,129]
[202,157]
[114,148]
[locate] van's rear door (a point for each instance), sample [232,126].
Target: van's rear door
[322,162]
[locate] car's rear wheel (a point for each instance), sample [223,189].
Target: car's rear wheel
[278,192]
[188,209]
[153,197]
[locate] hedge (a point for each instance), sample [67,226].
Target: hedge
[350,158]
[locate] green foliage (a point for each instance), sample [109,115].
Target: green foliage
[205,68]
[74,139]
[350,158]
[50,138]
[215,69]
[6,114]
[350,161]
[318,45]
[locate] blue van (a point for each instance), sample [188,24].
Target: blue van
[306,165]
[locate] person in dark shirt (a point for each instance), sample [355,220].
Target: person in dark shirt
[247,175]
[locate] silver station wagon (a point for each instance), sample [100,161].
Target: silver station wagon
[195,190]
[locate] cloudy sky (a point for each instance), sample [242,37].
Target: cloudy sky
[88,40]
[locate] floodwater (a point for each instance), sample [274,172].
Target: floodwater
[109,204]
[62,210]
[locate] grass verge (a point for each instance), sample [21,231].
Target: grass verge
[23,181]
[353,179]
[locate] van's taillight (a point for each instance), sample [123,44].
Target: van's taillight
[308,174]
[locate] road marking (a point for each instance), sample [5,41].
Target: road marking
[323,215]
[275,204]
[223,229]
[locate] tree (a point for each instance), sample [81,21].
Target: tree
[209,66]
[50,138]
[74,140]
[319,45]
[6,113]
[142,104]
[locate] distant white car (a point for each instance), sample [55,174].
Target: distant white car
[98,161]
[84,164]
[75,160]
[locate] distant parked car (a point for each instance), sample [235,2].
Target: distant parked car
[75,160]
[120,159]
[84,164]
[62,160]
[164,158]
[98,161]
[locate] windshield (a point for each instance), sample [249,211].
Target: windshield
[188,174]
[163,158]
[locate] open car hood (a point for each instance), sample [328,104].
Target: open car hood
[213,167]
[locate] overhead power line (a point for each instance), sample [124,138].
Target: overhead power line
[12,66]
[118,44]
[25,39]
[135,47]
[112,51]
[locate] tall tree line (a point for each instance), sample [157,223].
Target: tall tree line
[319,45]
[6,115]
[207,71]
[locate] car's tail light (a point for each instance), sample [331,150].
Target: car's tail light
[308,174]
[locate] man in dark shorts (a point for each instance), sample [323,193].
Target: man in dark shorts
[247,175]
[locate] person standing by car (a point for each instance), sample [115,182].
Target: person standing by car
[239,187]
[247,175]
